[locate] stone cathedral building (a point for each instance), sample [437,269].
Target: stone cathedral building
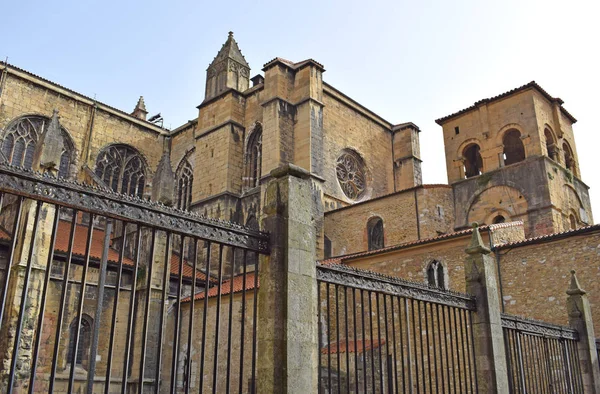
[511,162]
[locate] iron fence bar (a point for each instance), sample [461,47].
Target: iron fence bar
[380,345]
[537,327]
[569,377]
[188,375]
[164,300]
[387,347]
[243,325]
[11,253]
[147,313]
[229,326]
[427,346]
[520,361]
[394,345]
[364,339]
[177,329]
[132,209]
[355,338]
[328,317]
[24,291]
[337,336]
[371,338]
[88,246]
[433,347]
[204,316]
[558,356]
[113,324]
[473,351]
[218,320]
[408,347]
[414,322]
[98,314]
[347,338]
[464,349]
[468,348]
[132,310]
[40,322]
[575,356]
[320,334]
[529,362]
[254,321]
[453,348]
[442,350]
[544,371]
[548,364]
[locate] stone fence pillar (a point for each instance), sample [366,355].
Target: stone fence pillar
[488,339]
[580,318]
[287,299]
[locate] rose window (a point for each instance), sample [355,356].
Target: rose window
[351,174]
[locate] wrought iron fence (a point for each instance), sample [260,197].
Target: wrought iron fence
[102,292]
[541,357]
[380,334]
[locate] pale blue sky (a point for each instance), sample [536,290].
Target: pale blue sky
[407,61]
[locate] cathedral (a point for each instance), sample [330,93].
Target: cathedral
[511,162]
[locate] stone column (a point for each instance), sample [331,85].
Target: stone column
[287,299]
[580,318]
[488,339]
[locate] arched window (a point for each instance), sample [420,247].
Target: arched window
[499,219]
[122,169]
[435,275]
[473,163]
[185,178]
[253,158]
[550,144]
[569,158]
[375,233]
[85,340]
[252,223]
[20,138]
[573,221]
[514,151]
[327,248]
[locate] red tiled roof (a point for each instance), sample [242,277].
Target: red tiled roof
[352,346]
[531,84]
[80,243]
[188,270]
[238,282]
[4,235]
[549,237]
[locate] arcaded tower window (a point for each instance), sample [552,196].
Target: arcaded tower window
[350,171]
[569,158]
[473,163]
[499,219]
[514,151]
[122,169]
[253,159]
[375,233]
[185,178]
[573,221]
[550,144]
[435,275]
[20,138]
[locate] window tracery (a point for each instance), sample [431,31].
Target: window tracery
[253,159]
[350,171]
[435,275]
[122,169]
[20,139]
[185,179]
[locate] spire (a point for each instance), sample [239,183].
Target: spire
[140,109]
[163,184]
[50,147]
[230,50]
[575,287]
[476,246]
[228,70]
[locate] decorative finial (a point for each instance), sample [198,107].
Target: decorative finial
[230,34]
[476,246]
[575,288]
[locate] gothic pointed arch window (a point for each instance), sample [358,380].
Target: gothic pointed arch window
[435,275]
[20,138]
[253,158]
[122,169]
[473,163]
[185,179]
[375,233]
[83,344]
[514,150]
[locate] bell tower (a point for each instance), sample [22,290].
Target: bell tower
[229,70]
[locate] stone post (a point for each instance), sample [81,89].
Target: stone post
[580,318]
[488,339]
[287,299]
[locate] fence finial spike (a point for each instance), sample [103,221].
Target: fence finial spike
[575,287]
[476,246]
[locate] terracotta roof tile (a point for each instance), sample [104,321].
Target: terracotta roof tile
[352,346]
[548,237]
[238,282]
[188,270]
